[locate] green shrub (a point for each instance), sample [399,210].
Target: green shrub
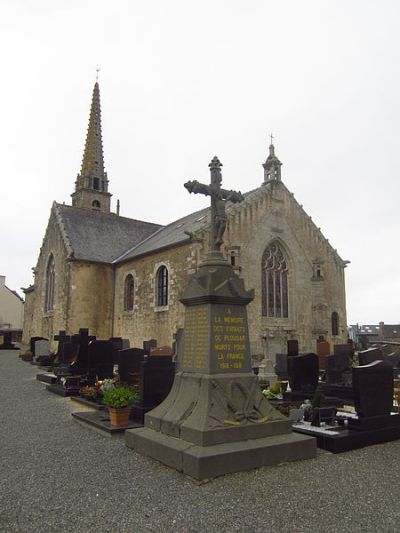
[119,397]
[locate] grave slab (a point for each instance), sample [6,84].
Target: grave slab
[101,421]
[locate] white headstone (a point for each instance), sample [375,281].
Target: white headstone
[42,347]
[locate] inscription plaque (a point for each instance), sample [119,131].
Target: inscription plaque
[216,339]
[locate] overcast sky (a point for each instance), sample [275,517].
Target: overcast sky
[182,81]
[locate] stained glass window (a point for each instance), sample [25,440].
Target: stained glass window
[274,282]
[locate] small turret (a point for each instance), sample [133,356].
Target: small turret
[272,166]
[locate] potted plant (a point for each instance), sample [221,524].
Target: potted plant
[119,401]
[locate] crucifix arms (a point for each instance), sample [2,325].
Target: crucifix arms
[213,191]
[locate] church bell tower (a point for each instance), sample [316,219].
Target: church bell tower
[272,166]
[91,186]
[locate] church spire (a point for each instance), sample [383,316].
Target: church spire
[91,186]
[272,166]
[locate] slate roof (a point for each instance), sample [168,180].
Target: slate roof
[100,237]
[170,235]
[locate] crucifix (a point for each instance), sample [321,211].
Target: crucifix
[219,197]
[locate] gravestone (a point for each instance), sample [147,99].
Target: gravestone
[129,365]
[292,347]
[42,352]
[338,369]
[7,341]
[80,365]
[61,338]
[303,376]
[373,389]
[369,356]
[323,349]
[161,351]
[119,344]
[344,349]
[149,345]
[156,375]
[100,360]
[32,344]
[281,366]
[215,419]
[393,359]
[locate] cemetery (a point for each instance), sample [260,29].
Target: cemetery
[200,406]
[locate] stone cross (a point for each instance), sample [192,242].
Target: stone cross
[219,197]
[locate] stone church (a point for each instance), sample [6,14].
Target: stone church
[124,277]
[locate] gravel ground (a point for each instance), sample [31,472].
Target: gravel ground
[58,476]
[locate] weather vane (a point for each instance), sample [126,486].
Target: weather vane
[97,74]
[272,138]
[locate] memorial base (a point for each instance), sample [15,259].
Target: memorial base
[203,462]
[211,425]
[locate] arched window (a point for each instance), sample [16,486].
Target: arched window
[129,291]
[96,204]
[50,282]
[335,323]
[162,286]
[274,273]
[96,184]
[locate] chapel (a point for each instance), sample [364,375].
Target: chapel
[123,277]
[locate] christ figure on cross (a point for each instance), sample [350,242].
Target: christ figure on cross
[219,197]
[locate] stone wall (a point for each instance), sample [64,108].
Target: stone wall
[147,320]
[91,298]
[41,322]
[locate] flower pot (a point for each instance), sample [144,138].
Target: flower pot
[119,417]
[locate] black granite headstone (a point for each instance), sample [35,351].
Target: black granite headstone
[148,345]
[100,359]
[336,365]
[293,347]
[344,349]
[373,389]
[129,365]
[303,372]
[80,365]
[156,378]
[369,356]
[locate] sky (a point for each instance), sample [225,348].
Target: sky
[184,80]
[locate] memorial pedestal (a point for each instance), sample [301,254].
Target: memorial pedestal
[215,420]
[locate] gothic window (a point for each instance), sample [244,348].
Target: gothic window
[335,323]
[96,204]
[274,282]
[50,282]
[129,289]
[162,286]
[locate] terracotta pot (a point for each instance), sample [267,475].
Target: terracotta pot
[119,417]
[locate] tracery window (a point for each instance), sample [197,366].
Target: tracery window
[274,282]
[129,291]
[335,323]
[50,284]
[162,286]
